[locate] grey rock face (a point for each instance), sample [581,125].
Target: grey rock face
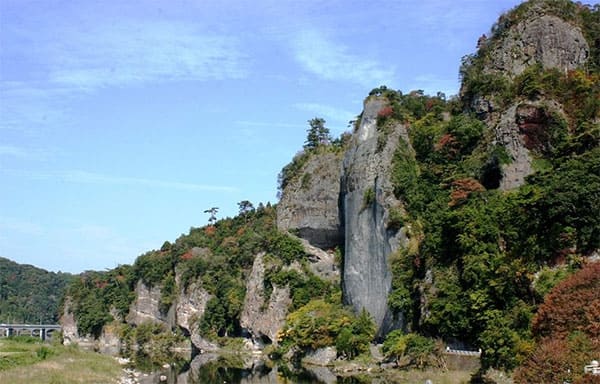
[522,128]
[321,263]
[547,40]
[259,317]
[507,134]
[309,204]
[145,307]
[321,357]
[190,307]
[68,323]
[109,342]
[366,170]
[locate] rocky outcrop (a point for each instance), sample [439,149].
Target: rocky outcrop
[146,306]
[189,309]
[547,40]
[68,324]
[321,357]
[366,199]
[109,341]
[263,318]
[507,134]
[322,263]
[523,129]
[309,203]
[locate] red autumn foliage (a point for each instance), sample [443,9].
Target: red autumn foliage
[187,256]
[210,230]
[444,141]
[462,188]
[385,112]
[568,327]
[557,361]
[573,305]
[588,379]
[101,284]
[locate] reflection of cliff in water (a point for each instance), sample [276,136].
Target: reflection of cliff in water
[212,368]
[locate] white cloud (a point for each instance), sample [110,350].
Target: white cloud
[137,52]
[64,60]
[83,177]
[332,61]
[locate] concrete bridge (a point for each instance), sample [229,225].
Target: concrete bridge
[43,331]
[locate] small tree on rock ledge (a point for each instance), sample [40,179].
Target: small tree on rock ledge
[317,134]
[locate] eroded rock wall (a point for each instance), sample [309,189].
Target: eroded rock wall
[309,203]
[261,316]
[146,306]
[366,198]
[189,309]
[547,40]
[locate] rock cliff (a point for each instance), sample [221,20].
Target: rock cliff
[189,308]
[531,36]
[309,203]
[540,39]
[263,317]
[146,306]
[343,197]
[366,198]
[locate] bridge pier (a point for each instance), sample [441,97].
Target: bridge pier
[43,331]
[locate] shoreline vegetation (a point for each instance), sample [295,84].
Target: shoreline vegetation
[28,360]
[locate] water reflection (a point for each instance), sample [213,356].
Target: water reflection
[208,369]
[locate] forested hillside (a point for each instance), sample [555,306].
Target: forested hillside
[29,294]
[465,221]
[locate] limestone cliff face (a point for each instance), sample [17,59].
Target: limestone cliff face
[189,309]
[146,306]
[263,317]
[546,39]
[68,323]
[366,198]
[309,204]
[541,39]
[523,129]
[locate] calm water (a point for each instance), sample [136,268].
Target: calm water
[209,369]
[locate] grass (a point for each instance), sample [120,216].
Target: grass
[33,362]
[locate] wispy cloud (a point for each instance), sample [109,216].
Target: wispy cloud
[326,111]
[64,59]
[331,60]
[105,51]
[149,51]
[84,177]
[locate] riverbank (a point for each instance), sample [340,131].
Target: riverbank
[33,362]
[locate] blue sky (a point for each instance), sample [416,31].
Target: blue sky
[122,121]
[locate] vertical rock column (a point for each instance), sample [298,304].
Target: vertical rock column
[366,196]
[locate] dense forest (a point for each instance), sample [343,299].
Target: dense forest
[29,294]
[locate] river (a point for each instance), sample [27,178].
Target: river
[215,369]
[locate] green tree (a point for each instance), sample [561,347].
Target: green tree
[317,134]
[212,219]
[245,206]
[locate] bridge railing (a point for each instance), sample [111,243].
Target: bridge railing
[43,331]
